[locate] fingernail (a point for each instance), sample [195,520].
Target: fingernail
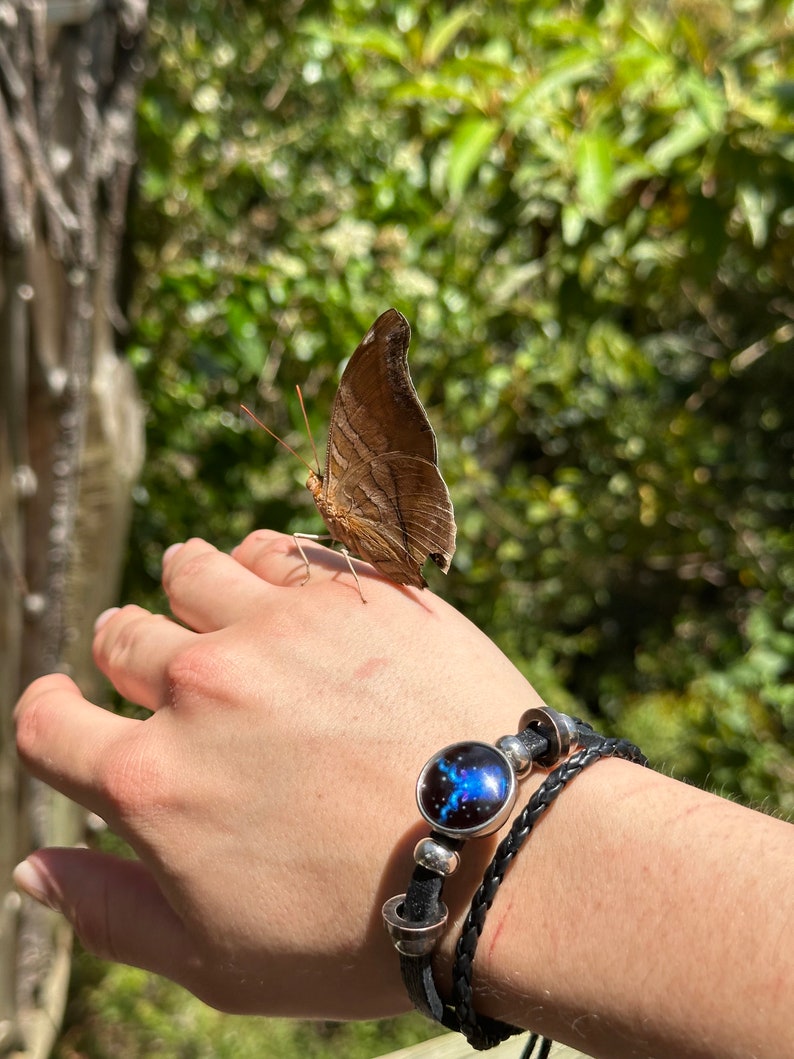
[105,617]
[30,880]
[171,551]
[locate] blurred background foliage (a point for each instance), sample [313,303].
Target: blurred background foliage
[586,211]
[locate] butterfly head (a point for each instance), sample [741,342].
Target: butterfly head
[314,484]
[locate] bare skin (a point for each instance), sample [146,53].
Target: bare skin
[269,798]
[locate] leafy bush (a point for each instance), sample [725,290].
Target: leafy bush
[585,210]
[122,1013]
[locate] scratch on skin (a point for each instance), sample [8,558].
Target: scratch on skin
[495,936]
[370,668]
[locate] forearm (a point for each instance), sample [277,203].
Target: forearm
[603,934]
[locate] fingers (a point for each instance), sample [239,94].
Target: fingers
[66,740]
[276,558]
[207,589]
[134,649]
[114,905]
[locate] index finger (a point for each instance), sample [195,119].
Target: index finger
[66,741]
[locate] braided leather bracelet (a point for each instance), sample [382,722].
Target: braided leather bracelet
[464,791]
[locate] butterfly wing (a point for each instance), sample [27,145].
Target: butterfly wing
[394,510]
[376,409]
[382,493]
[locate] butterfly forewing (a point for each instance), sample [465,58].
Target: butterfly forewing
[376,408]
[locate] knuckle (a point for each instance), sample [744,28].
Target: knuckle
[92,929]
[191,561]
[33,713]
[92,917]
[116,640]
[133,780]
[262,545]
[29,720]
[195,672]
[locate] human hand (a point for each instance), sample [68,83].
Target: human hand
[270,795]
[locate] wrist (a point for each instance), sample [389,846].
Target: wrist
[529,959]
[492,976]
[604,937]
[465,791]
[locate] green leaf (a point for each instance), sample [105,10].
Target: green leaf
[708,99]
[575,66]
[595,172]
[573,224]
[428,87]
[443,32]
[753,208]
[689,133]
[470,144]
[389,44]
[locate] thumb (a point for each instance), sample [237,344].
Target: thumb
[114,905]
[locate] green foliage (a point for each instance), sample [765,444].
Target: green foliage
[123,1013]
[585,210]
[730,730]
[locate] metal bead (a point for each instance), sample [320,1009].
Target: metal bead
[413,939]
[516,753]
[24,481]
[436,857]
[558,728]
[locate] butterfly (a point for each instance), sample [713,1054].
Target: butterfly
[381,494]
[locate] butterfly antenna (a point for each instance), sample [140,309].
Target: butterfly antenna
[308,429]
[278,439]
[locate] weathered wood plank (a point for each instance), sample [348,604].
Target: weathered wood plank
[453,1046]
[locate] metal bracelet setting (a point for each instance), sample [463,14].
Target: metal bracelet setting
[468,790]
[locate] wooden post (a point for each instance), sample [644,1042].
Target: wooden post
[71,423]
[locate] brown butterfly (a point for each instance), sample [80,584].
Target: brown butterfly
[381,495]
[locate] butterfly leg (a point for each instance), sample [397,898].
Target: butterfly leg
[298,537]
[349,561]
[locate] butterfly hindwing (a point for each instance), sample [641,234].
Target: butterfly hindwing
[403,498]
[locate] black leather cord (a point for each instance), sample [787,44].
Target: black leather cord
[480,1032]
[543,1051]
[424,894]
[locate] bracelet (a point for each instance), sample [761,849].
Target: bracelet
[468,790]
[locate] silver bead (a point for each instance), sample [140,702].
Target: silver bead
[558,728]
[516,753]
[413,939]
[436,857]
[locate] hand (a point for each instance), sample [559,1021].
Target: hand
[269,797]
